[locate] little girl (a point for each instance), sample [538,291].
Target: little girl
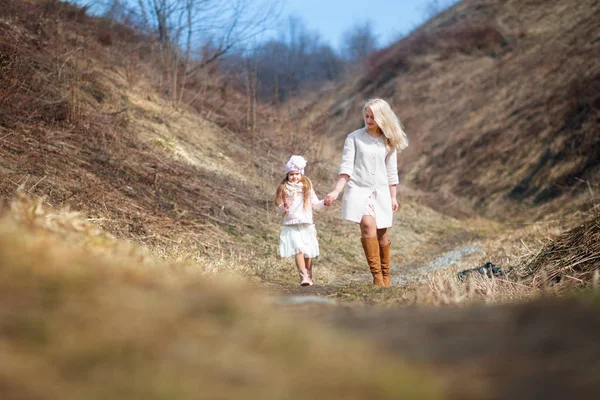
[295,199]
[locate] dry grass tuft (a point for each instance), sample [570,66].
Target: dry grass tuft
[446,289]
[572,259]
[30,211]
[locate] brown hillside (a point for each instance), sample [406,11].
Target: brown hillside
[84,123]
[501,103]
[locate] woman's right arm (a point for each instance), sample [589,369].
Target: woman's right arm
[337,188]
[346,170]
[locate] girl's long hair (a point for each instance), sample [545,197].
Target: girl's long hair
[389,124]
[281,193]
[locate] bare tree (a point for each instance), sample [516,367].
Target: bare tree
[192,34]
[359,41]
[251,85]
[296,60]
[434,7]
[226,24]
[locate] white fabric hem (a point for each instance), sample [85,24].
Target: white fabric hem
[300,238]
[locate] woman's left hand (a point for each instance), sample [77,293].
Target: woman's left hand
[394,205]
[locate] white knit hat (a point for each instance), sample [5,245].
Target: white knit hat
[295,164]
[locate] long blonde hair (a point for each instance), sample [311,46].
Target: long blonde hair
[388,122]
[281,193]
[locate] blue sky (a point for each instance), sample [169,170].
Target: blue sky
[391,19]
[331,18]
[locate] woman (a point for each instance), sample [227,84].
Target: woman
[369,167]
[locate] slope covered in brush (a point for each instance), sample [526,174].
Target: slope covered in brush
[84,121]
[500,100]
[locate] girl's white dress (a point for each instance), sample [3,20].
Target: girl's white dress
[299,234]
[300,238]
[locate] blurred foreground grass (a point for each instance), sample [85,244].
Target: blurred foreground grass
[83,316]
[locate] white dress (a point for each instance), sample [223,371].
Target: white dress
[299,234]
[299,238]
[372,169]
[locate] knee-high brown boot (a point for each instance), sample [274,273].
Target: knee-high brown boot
[371,248]
[384,255]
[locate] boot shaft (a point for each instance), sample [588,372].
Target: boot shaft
[384,255]
[371,249]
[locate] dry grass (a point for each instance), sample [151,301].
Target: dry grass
[571,260]
[85,317]
[539,259]
[446,289]
[260,264]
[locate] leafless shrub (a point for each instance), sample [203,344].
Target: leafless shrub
[435,7]
[359,41]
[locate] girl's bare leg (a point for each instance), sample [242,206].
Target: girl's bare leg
[308,264]
[304,281]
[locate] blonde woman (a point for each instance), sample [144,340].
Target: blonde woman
[369,171]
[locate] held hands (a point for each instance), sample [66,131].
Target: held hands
[286,203]
[330,198]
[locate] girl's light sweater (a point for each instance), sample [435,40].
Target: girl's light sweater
[297,214]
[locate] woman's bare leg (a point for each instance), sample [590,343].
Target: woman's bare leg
[383,237]
[368,227]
